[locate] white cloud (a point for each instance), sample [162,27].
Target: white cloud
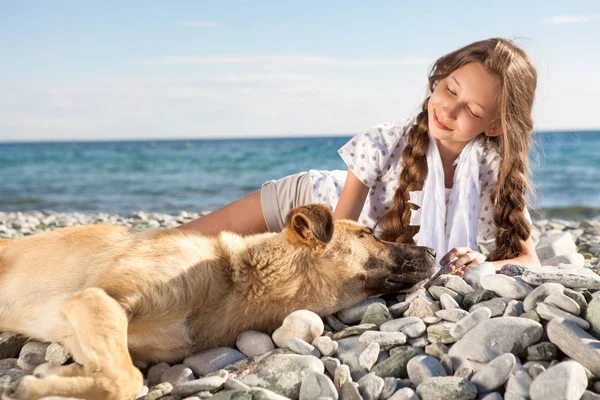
[571,19]
[296,60]
[198,24]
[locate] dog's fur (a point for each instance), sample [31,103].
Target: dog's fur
[109,294]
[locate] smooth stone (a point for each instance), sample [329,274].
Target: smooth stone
[369,356]
[548,312]
[177,374]
[370,386]
[267,373]
[437,292]
[434,319]
[512,269]
[514,308]
[211,360]
[540,293]
[299,346]
[325,345]
[437,350]
[477,297]
[303,324]
[410,326]
[576,343]
[235,384]
[542,351]
[452,315]
[421,341]
[56,354]
[398,309]
[579,298]
[11,344]
[317,385]
[535,369]
[496,336]
[354,331]
[155,372]
[158,391]
[494,373]
[440,332]
[497,306]
[209,383]
[473,276]
[334,323]
[422,367]
[470,321]
[354,314]
[331,364]
[390,384]
[519,383]
[448,302]
[588,395]
[349,391]
[575,259]
[571,278]
[341,375]
[592,315]
[395,365]
[563,302]
[566,380]
[506,286]
[376,313]
[492,396]
[532,315]
[349,349]
[458,284]
[386,340]
[254,343]
[421,307]
[404,394]
[554,245]
[447,388]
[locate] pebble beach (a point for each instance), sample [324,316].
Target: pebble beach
[518,334]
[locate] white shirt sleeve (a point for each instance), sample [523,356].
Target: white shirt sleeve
[368,154]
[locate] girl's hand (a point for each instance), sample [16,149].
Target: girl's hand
[462,259]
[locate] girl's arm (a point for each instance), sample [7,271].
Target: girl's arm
[528,258]
[352,198]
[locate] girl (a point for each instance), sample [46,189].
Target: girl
[453,176]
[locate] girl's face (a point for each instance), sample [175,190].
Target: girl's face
[463,105]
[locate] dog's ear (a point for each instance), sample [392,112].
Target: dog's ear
[312,225]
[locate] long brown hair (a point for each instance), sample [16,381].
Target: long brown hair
[518,79]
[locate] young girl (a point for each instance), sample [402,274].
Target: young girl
[453,176]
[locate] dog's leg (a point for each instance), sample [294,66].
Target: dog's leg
[98,342]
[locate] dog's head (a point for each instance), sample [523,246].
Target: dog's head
[370,264]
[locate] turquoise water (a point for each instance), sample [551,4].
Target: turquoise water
[196,175]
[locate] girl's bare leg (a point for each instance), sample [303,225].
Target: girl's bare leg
[243,216]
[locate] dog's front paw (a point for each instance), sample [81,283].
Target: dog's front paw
[26,388]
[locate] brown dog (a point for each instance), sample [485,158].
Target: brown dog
[109,294]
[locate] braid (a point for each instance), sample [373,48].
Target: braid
[395,222]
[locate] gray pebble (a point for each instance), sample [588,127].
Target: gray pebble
[566,380]
[494,373]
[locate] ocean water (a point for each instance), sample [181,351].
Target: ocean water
[199,175]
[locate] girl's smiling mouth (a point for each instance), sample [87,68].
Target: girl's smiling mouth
[439,123]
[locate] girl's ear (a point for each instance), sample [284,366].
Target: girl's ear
[494,130]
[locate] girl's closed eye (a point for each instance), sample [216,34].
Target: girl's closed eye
[454,94]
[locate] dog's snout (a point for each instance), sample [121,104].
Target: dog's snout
[430,251]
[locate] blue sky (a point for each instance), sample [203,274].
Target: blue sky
[157,69]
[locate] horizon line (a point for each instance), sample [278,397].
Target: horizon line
[214,138]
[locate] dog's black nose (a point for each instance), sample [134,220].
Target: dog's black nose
[430,251]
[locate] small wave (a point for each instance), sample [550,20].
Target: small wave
[20,202]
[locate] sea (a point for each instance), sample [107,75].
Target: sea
[169,176]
